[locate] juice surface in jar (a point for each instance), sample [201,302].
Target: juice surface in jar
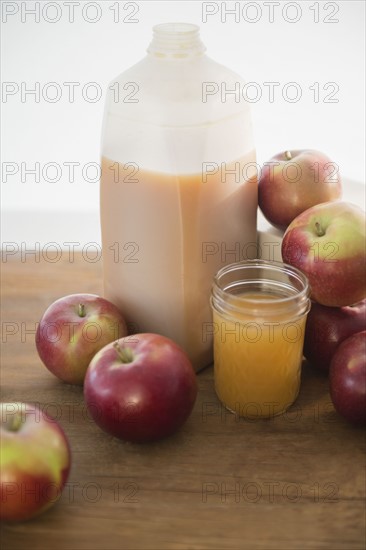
[258,345]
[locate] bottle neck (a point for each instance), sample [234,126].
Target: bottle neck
[176,40]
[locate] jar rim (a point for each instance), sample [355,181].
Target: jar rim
[300,299]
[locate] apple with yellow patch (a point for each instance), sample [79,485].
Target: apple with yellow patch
[35,461]
[73,329]
[327,243]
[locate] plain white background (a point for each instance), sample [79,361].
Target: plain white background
[318,45]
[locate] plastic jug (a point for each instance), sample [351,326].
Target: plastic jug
[176,201]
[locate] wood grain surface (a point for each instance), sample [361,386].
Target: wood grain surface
[293,482]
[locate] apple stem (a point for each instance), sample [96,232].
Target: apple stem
[319,230]
[288,155]
[125,354]
[14,422]
[82,311]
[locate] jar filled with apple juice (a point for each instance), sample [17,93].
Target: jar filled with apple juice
[259,314]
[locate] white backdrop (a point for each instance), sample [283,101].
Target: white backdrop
[310,54]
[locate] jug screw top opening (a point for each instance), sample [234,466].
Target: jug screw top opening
[176,40]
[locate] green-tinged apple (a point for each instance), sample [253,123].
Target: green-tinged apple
[35,461]
[327,243]
[140,388]
[347,378]
[73,329]
[293,181]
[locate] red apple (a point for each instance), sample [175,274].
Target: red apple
[327,327]
[327,243]
[293,181]
[347,378]
[140,388]
[34,461]
[71,332]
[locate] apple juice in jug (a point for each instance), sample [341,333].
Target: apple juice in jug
[177,201]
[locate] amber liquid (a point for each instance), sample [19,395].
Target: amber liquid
[172,234]
[257,361]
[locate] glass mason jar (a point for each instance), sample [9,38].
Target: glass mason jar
[259,314]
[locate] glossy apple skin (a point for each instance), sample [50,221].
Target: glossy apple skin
[327,327]
[333,261]
[67,342]
[35,461]
[143,400]
[316,180]
[347,378]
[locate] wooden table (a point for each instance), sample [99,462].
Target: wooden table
[293,482]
